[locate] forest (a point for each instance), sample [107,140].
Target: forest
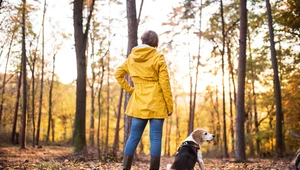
[234,68]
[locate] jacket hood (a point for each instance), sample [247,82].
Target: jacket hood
[142,53]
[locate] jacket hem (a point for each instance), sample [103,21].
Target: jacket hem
[146,117]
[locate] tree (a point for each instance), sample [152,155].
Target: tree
[5,74]
[97,41]
[240,154]
[24,76]
[132,42]
[92,85]
[287,15]
[187,15]
[9,34]
[198,59]
[80,48]
[231,85]
[253,93]
[277,90]
[50,119]
[42,78]
[99,104]
[223,77]
[32,67]
[95,65]
[116,139]
[14,128]
[108,101]
[191,9]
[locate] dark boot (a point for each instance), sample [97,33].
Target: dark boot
[127,161]
[154,163]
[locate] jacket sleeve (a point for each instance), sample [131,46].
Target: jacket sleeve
[120,76]
[164,82]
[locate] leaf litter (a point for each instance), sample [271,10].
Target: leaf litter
[61,157]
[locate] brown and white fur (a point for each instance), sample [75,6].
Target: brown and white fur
[190,151]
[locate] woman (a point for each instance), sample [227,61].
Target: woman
[151,96]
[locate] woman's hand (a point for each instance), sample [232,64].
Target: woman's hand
[170,114]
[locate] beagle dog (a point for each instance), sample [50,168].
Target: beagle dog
[189,152]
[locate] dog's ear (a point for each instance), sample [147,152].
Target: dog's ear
[198,136]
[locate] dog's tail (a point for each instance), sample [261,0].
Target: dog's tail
[169,166]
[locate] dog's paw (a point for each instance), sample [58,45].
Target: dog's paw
[169,166]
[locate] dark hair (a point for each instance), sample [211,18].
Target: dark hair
[150,38]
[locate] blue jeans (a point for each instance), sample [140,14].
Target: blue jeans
[137,129]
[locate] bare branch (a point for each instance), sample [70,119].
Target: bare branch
[7,81]
[140,12]
[234,24]
[295,135]
[88,22]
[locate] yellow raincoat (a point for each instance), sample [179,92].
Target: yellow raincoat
[151,96]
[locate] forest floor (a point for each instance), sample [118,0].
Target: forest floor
[61,157]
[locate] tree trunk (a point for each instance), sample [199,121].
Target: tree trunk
[230,84]
[116,140]
[168,134]
[50,119]
[231,118]
[191,111]
[99,108]
[277,90]
[42,80]
[231,73]
[132,42]
[80,48]
[167,137]
[240,154]
[40,105]
[218,128]
[215,107]
[24,76]
[92,121]
[225,154]
[33,99]
[198,61]
[107,108]
[215,103]
[254,103]
[132,25]
[92,87]
[108,93]
[14,128]
[249,125]
[32,68]
[53,129]
[177,122]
